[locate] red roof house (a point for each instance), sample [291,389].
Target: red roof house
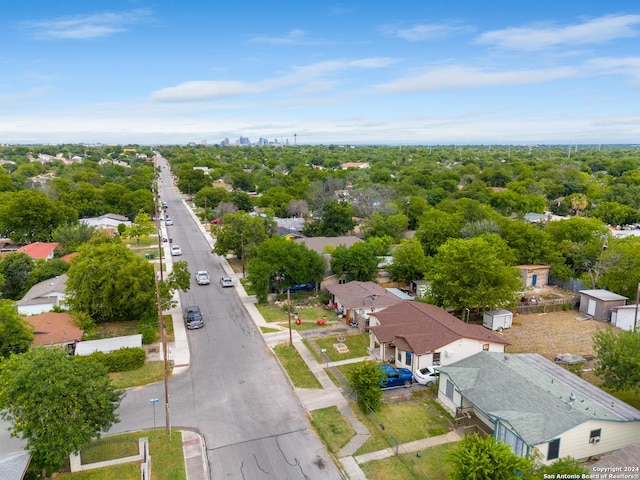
[39,250]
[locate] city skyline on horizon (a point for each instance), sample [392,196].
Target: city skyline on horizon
[356,74]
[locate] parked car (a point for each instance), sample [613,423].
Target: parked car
[226,282]
[176,250]
[396,377]
[202,277]
[193,317]
[426,376]
[168,221]
[301,287]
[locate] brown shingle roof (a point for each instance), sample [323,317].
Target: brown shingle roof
[52,328]
[421,328]
[363,294]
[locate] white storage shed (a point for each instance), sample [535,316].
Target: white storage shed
[497,319]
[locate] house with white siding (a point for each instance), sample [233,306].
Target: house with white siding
[530,403]
[416,335]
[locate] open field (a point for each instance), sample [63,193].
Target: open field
[552,333]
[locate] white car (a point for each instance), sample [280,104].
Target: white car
[226,282]
[168,221]
[202,277]
[426,376]
[176,250]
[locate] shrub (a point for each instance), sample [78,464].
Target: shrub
[123,360]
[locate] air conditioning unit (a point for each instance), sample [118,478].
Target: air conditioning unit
[594,440]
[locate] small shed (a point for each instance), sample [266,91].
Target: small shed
[625,317]
[599,303]
[497,319]
[535,275]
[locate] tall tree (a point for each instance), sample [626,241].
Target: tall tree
[56,403]
[409,262]
[241,233]
[279,263]
[28,216]
[358,262]
[15,268]
[620,267]
[108,282]
[142,226]
[16,334]
[618,358]
[335,220]
[471,273]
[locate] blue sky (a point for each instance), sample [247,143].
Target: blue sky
[359,72]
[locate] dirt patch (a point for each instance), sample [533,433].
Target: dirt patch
[552,333]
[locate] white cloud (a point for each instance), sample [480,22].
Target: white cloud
[294,37]
[468,77]
[542,36]
[313,73]
[421,32]
[86,26]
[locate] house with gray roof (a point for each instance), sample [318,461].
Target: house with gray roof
[417,335]
[43,296]
[530,403]
[13,466]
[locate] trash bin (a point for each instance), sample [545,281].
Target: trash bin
[147,256]
[152,256]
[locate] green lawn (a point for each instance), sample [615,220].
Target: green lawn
[167,459]
[295,366]
[334,430]
[403,422]
[150,372]
[356,343]
[431,461]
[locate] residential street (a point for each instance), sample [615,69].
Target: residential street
[234,392]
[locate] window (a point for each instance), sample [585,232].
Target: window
[594,435]
[436,358]
[485,347]
[510,438]
[554,449]
[449,391]
[408,359]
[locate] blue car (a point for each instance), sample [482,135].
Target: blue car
[301,287]
[396,377]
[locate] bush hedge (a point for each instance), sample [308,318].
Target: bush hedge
[123,360]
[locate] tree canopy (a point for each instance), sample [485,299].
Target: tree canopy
[618,358]
[56,402]
[358,262]
[472,274]
[16,334]
[110,283]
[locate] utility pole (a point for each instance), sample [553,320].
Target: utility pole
[635,320]
[242,251]
[289,315]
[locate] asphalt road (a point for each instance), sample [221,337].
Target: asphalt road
[234,393]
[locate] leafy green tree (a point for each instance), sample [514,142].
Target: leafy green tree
[142,226]
[211,197]
[409,262]
[46,269]
[56,403]
[242,201]
[484,458]
[279,263]
[16,334]
[435,227]
[71,235]
[241,233]
[178,279]
[567,466]
[614,213]
[110,283]
[365,380]
[29,216]
[618,358]
[470,273]
[335,220]
[392,226]
[358,262]
[191,181]
[530,244]
[16,269]
[620,267]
